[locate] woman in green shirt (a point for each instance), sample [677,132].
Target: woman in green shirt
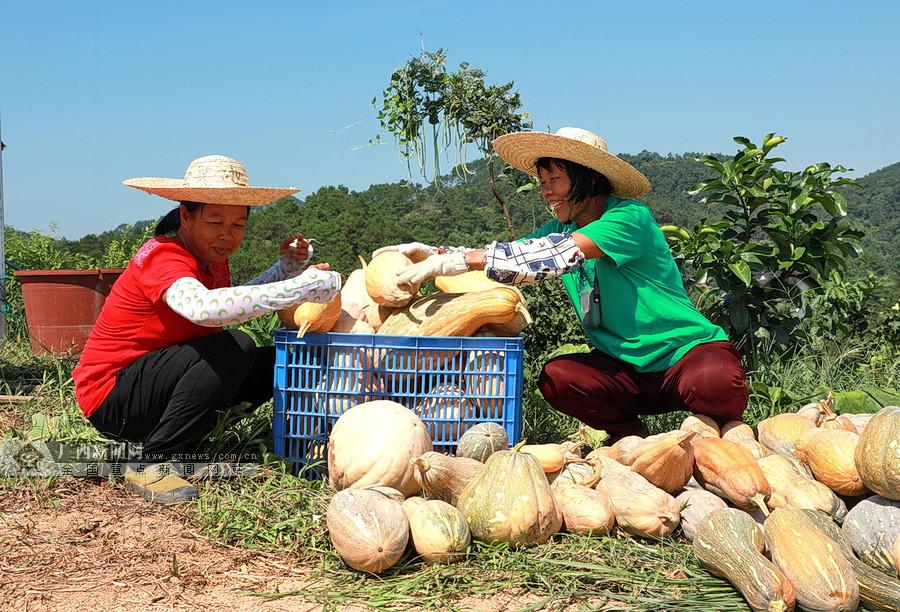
[653,351]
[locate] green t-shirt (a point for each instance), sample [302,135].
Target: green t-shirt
[646,318]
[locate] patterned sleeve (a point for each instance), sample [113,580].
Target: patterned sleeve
[532,259]
[216,307]
[284,268]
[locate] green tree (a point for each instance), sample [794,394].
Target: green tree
[780,238]
[425,102]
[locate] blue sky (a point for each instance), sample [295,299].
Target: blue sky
[92,93]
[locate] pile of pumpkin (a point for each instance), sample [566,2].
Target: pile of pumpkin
[371,302]
[762,509]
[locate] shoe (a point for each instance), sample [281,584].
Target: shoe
[159,483]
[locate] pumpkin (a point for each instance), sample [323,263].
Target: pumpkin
[732,430]
[813,412]
[694,506]
[729,544]
[604,465]
[467,282]
[730,471]
[780,433]
[575,473]
[311,316]
[877,590]
[792,489]
[814,564]
[372,444]
[896,554]
[439,532]
[481,441]
[521,319]
[702,425]
[442,477]
[381,280]
[348,323]
[444,410]
[510,501]
[584,510]
[354,297]
[641,508]
[369,530]
[666,460]
[552,457]
[872,527]
[621,447]
[860,421]
[452,314]
[877,455]
[484,374]
[829,454]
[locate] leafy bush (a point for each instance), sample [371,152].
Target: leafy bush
[778,241]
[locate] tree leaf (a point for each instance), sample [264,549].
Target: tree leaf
[742,270]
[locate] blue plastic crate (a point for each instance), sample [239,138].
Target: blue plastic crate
[451,383]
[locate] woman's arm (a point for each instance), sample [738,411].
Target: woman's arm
[294,255]
[216,307]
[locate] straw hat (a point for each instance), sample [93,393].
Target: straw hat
[522,150]
[213,179]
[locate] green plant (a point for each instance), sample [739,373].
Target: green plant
[458,108]
[778,240]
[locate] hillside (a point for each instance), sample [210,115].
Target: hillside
[463,212]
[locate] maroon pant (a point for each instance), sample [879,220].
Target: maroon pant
[606,393]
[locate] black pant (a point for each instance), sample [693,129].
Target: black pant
[168,399]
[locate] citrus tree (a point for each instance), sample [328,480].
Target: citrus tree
[777,238]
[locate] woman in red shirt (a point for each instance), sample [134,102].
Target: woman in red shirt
[158,363]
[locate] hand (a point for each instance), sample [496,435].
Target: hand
[449,264]
[416,251]
[294,248]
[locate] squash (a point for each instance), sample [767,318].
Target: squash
[354,297]
[442,477]
[666,460]
[877,455]
[575,473]
[829,454]
[641,508]
[444,411]
[732,430]
[792,489]
[860,421]
[780,433]
[347,323]
[813,412]
[452,314]
[621,447]
[729,470]
[372,444]
[484,378]
[872,527]
[521,319]
[439,532]
[481,441]
[584,510]
[381,280]
[694,506]
[896,554]
[311,316]
[814,564]
[603,465]
[552,457]
[467,282]
[510,501]
[729,544]
[877,590]
[702,425]
[369,530]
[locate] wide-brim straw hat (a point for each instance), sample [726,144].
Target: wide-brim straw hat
[213,179]
[521,150]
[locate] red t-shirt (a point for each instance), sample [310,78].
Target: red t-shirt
[135,319]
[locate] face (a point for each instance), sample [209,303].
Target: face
[214,232]
[555,187]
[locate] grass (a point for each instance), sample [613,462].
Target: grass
[277,512]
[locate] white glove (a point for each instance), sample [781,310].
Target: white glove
[448,264]
[416,251]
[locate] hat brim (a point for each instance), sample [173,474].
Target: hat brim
[175,189]
[521,150]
